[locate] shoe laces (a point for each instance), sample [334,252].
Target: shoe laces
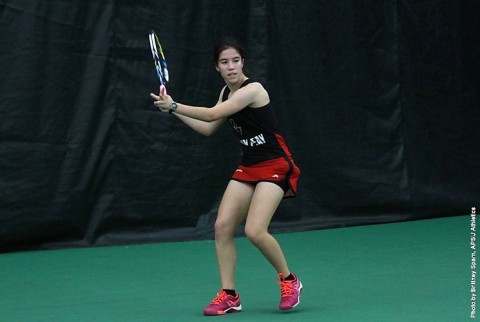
[286,288]
[221,296]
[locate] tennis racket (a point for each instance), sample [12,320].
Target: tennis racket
[160,62]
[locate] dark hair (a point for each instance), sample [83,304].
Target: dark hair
[225,43]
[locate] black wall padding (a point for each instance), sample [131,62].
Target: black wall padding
[379,103]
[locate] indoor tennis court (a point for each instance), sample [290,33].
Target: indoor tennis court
[134,133]
[413,271]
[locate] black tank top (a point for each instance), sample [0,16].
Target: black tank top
[257,131]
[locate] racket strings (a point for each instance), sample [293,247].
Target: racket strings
[159,58]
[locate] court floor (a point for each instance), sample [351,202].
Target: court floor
[410,271]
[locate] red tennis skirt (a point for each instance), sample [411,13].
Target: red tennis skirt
[281,171]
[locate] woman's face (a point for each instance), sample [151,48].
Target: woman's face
[230,65]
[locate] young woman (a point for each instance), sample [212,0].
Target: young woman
[266,174]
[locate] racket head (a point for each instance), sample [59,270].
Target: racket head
[159,59]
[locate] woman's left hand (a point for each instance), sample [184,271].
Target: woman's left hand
[163,102]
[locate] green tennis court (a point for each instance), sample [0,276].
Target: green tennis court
[411,271]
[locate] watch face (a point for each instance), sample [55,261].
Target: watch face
[173,107]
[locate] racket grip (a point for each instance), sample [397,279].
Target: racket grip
[163,90]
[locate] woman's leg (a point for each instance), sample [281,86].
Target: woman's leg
[231,213]
[264,203]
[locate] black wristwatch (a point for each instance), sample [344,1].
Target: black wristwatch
[173,108]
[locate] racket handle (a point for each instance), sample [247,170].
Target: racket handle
[163,90]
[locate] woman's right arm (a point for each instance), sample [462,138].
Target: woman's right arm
[202,127]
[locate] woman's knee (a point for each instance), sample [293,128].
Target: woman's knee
[224,228]
[255,235]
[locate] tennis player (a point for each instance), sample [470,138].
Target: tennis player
[266,174]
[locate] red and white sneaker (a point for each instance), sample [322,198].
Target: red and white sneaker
[223,304]
[290,292]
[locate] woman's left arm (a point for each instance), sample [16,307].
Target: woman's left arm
[242,98]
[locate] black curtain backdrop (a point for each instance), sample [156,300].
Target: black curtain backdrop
[379,102]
